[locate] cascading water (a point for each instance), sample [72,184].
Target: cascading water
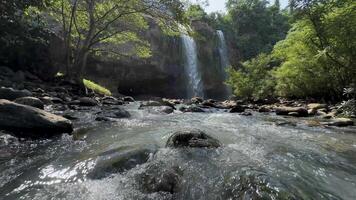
[224,59]
[195,85]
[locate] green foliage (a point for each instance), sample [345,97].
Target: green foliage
[109,28]
[253,79]
[317,58]
[196,12]
[255,26]
[23,33]
[319,52]
[96,87]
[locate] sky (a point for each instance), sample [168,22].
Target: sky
[219,5]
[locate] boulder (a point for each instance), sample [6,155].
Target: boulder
[120,159]
[28,121]
[192,108]
[292,111]
[340,122]
[237,109]
[158,179]
[192,138]
[87,101]
[12,94]
[30,101]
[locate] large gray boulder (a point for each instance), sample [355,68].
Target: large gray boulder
[12,94]
[30,101]
[26,121]
[192,138]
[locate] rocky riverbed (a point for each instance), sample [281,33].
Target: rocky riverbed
[57,142]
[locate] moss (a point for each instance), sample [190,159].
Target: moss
[96,88]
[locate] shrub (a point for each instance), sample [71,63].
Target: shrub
[254,79]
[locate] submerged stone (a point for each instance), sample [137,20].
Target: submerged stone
[121,159]
[192,138]
[158,179]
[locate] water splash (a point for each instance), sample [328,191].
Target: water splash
[224,60]
[195,84]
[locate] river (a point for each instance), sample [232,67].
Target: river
[262,157]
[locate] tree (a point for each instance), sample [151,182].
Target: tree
[254,78]
[108,27]
[22,30]
[256,27]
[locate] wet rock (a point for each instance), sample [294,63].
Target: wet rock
[254,186]
[237,109]
[28,121]
[108,115]
[12,94]
[156,179]
[292,111]
[151,103]
[196,100]
[128,99]
[121,159]
[339,122]
[51,100]
[87,101]
[192,138]
[30,101]
[209,103]
[166,102]
[111,101]
[264,109]
[160,109]
[228,104]
[192,108]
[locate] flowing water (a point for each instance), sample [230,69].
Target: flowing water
[258,160]
[194,85]
[224,59]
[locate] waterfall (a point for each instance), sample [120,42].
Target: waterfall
[195,85]
[224,60]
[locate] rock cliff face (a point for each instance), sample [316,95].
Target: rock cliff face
[164,73]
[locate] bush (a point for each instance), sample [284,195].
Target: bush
[254,79]
[96,88]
